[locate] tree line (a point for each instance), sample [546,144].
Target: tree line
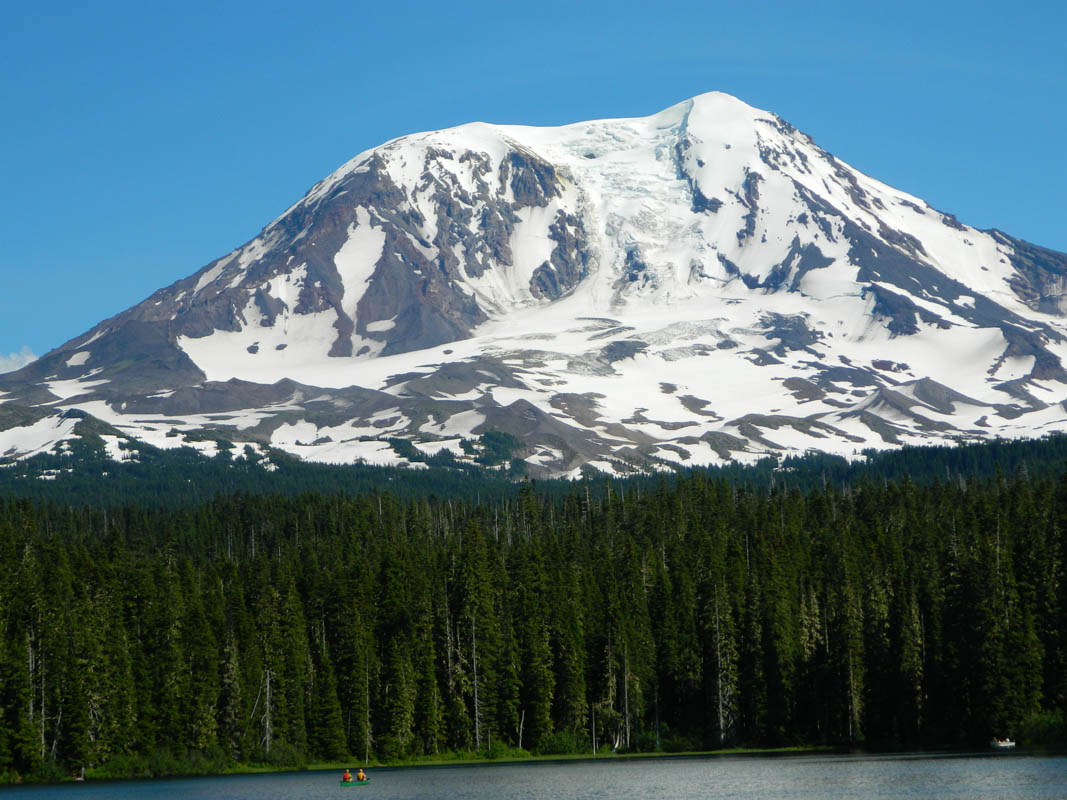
[696,615]
[83,472]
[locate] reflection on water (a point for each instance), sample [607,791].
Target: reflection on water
[821,777]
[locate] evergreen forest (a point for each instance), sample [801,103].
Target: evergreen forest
[674,615]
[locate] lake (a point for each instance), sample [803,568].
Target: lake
[825,777]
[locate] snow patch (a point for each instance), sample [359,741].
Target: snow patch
[78,359]
[357,259]
[382,325]
[40,437]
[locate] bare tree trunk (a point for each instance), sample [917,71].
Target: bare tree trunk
[366,711]
[593,707]
[55,736]
[477,708]
[718,672]
[851,699]
[626,688]
[448,645]
[31,668]
[42,706]
[268,708]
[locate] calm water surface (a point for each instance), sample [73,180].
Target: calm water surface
[976,777]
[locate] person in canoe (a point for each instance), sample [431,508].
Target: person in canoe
[347,777]
[361,775]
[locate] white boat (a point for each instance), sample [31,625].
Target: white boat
[1002,744]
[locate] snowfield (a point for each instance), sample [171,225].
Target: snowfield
[699,285]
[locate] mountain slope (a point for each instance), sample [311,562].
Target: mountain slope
[702,284]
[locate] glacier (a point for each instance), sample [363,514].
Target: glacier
[699,285]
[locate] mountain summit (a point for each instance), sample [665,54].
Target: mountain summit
[702,284]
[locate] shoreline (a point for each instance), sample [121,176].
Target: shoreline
[512,760]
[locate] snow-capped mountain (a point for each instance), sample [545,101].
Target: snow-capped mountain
[702,284]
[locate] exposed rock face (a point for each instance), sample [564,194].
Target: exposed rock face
[702,284]
[1040,275]
[566,266]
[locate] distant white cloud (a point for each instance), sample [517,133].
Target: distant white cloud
[13,361]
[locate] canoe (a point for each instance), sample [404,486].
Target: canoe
[355,783]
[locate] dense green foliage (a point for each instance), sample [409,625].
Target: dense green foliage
[85,474]
[690,615]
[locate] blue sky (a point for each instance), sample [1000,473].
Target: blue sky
[141,140]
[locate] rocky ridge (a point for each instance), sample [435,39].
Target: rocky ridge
[698,285]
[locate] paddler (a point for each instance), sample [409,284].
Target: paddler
[347,777]
[361,775]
